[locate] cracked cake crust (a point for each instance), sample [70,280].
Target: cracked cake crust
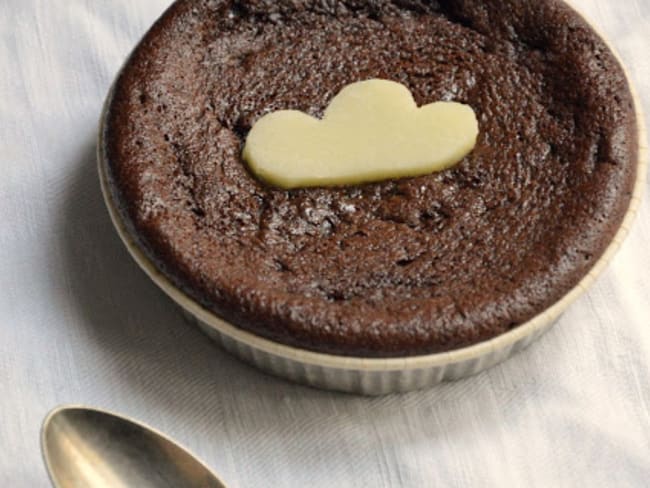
[401,267]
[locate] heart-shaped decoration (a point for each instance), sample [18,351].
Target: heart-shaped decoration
[372,131]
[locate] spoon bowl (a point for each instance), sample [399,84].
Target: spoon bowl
[90,448]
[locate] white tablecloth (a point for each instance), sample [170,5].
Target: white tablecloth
[79,322]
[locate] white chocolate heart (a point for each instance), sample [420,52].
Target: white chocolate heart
[372,130]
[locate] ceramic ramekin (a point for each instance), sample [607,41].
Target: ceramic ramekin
[372,376]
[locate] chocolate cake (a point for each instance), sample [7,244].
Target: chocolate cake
[395,268]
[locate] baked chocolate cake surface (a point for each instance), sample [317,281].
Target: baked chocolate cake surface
[401,267]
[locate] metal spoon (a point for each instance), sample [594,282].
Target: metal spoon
[89,448]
